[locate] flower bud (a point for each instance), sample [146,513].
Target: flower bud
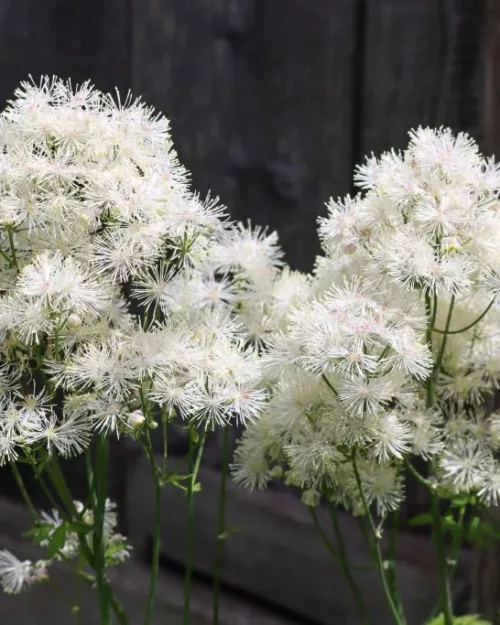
[135,419]
[276,472]
[311,498]
[450,244]
[74,321]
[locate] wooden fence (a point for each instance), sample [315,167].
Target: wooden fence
[272,102]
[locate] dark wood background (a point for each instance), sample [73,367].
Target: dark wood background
[272,102]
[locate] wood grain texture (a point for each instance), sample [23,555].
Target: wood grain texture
[182,67]
[492,77]
[259,94]
[42,604]
[484,596]
[80,39]
[423,66]
[278,557]
[294,116]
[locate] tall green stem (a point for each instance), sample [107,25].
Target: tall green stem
[374,547]
[23,490]
[444,582]
[157,484]
[446,332]
[471,325]
[219,547]
[13,249]
[455,551]
[391,572]
[324,538]
[345,566]
[438,530]
[194,465]
[68,512]
[101,490]
[429,384]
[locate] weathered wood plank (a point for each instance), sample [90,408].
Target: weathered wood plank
[492,78]
[81,39]
[184,68]
[259,97]
[43,605]
[294,116]
[279,557]
[484,595]
[423,66]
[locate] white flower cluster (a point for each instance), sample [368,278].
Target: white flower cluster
[17,576]
[117,282]
[389,348]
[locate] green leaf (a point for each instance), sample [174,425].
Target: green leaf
[56,541]
[39,533]
[81,528]
[421,519]
[460,501]
[175,478]
[451,525]
[234,529]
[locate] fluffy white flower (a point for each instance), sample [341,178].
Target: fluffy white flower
[465,465]
[17,576]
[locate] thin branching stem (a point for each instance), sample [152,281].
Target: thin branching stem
[346,567]
[471,325]
[221,538]
[375,548]
[329,384]
[194,466]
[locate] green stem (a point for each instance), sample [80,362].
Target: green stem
[23,490]
[165,445]
[438,535]
[68,513]
[384,353]
[446,603]
[391,572]
[194,465]
[345,566]
[51,499]
[434,310]
[471,325]
[455,551]
[445,337]
[429,383]
[5,256]
[219,546]
[322,534]
[57,477]
[420,478]
[13,249]
[101,492]
[375,548]
[155,564]
[329,384]
[444,582]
